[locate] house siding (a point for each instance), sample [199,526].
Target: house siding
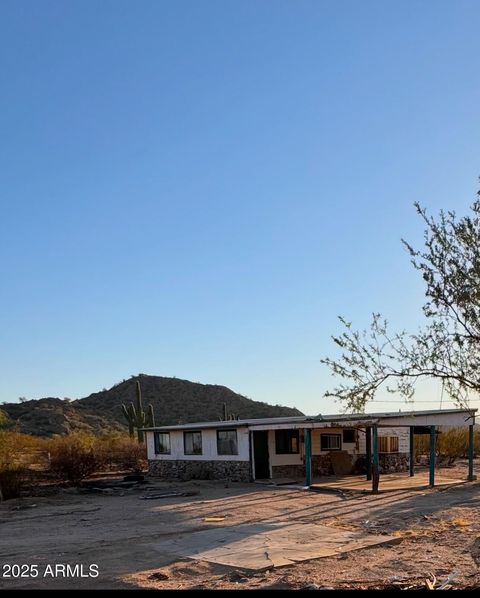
[403,439]
[210,465]
[209,447]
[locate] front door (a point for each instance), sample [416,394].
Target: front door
[260,455]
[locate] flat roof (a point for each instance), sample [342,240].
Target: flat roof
[299,419]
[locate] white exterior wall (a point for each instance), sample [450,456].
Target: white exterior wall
[403,439]
[209,447]
[298,458]
[353,448]
[438,419]
[350,447]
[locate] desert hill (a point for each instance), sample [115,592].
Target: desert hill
[175,401]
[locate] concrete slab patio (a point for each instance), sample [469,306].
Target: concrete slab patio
[259,546]
[388,482]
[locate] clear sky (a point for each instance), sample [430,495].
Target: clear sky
[198,188]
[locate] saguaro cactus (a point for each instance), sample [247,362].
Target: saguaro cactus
[136,416]
[150,417]
[129,414]
[228,417]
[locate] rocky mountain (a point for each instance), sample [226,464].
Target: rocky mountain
[175,401]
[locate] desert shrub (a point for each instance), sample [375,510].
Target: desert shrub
[452,444]
[129,454]
[120,452]
[78,455]
[12,479]
[421,446]
[71,457]
[12,470]
[75,456]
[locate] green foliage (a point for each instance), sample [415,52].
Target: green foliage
[447,348]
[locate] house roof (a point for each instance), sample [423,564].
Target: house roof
[309,421]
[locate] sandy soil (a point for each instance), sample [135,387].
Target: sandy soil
[123,534]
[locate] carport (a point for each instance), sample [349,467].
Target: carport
[418,422]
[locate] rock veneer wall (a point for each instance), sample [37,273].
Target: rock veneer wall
[388,463]
[394,462]
[296,471]
[321,466]
[240,471]
[234,471]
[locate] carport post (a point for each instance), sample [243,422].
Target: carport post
[412,451]
[470,453]
[433,438]
[308,456]
[368,457]
[376,468]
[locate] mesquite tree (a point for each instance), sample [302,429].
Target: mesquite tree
[447,347]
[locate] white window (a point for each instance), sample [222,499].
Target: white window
[286,442]
[388,444]
[192,443]
[330,442]
[162,443]
[227,442]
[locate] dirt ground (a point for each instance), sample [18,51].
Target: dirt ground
[122,535]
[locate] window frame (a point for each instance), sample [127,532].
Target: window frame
[292,434]
[352,430]
[339,448]
[156,443]
[388,441]
[185,444]
[236,441]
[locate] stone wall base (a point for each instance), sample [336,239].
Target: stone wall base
[234,471]
[240,471]
[388,463]
[289,471]
[322,465]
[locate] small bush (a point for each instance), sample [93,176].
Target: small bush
[13,447]
[74,457]
[123,453]
[11,481]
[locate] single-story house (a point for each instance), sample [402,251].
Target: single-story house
[297,447]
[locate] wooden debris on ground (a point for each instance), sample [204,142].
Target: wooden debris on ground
[168,495]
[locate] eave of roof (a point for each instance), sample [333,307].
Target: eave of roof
[342,417]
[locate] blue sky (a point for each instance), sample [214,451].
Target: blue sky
[198,189]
